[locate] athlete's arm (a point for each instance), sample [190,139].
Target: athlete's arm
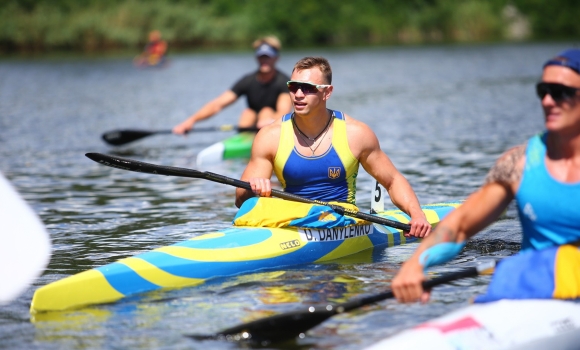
[208,110]
[363,141]
[477,212]
[261,165]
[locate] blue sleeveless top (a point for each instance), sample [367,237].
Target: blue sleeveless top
[327,177]
[549,210]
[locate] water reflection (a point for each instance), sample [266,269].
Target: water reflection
[443,114]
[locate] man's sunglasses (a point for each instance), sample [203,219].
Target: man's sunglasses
[558,92]
[306,88]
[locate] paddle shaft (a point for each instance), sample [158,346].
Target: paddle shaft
[292,324]
[142,167]
[226,127]
[124,136]
[290,196]
[467,272]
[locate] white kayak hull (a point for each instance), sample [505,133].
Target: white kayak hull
[505,324]
[24,243]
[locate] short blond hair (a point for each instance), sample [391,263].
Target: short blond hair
[270,40]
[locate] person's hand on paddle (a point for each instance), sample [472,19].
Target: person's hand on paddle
[261,187]
[407,284]
[184,127]
[420,227]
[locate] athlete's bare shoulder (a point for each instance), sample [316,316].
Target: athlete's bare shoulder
[508,169]
[361,138]
[355,124]
[271,129]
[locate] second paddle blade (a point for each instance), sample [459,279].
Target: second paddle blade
[272,329]
[121,137]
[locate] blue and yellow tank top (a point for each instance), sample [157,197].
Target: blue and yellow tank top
[327,177]
[549,210]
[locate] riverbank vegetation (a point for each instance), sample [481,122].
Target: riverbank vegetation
[100,25]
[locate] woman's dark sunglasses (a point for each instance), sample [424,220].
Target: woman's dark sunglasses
[558,92]
[306,88]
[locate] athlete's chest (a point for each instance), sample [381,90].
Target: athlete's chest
[308,148]
[325,168]
[564,170]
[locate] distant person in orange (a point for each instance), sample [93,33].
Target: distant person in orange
[265,90]
[154,53]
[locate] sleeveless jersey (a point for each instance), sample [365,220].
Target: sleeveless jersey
[549,210]
[327,177]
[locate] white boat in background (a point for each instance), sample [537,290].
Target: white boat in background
[506,324]
[24,243]
[238,146]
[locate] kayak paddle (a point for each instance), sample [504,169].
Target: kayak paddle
[124,136]
[142,167]
[25,248]
[294,324]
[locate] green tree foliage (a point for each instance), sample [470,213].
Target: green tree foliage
[104,24]
[552,19]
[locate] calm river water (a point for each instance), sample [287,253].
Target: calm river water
[442,113]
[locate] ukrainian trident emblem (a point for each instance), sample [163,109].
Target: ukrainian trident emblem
[334,172]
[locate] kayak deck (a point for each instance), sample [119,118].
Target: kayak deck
[228,252]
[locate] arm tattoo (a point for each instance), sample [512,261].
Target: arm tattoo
[505,170]
[443,234]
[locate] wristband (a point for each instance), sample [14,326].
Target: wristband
[440,253]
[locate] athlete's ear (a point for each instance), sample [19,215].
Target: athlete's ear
[327,92]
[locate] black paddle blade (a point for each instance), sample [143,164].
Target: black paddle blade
[142,167]
[272,329]
[289,325]
[121,137]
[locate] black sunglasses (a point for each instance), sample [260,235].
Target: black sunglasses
[558,92]
[307,88]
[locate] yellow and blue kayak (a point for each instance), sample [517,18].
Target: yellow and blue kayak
[228,252]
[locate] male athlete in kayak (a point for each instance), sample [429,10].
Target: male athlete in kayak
[265,90]
[315,152]
[543,175]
